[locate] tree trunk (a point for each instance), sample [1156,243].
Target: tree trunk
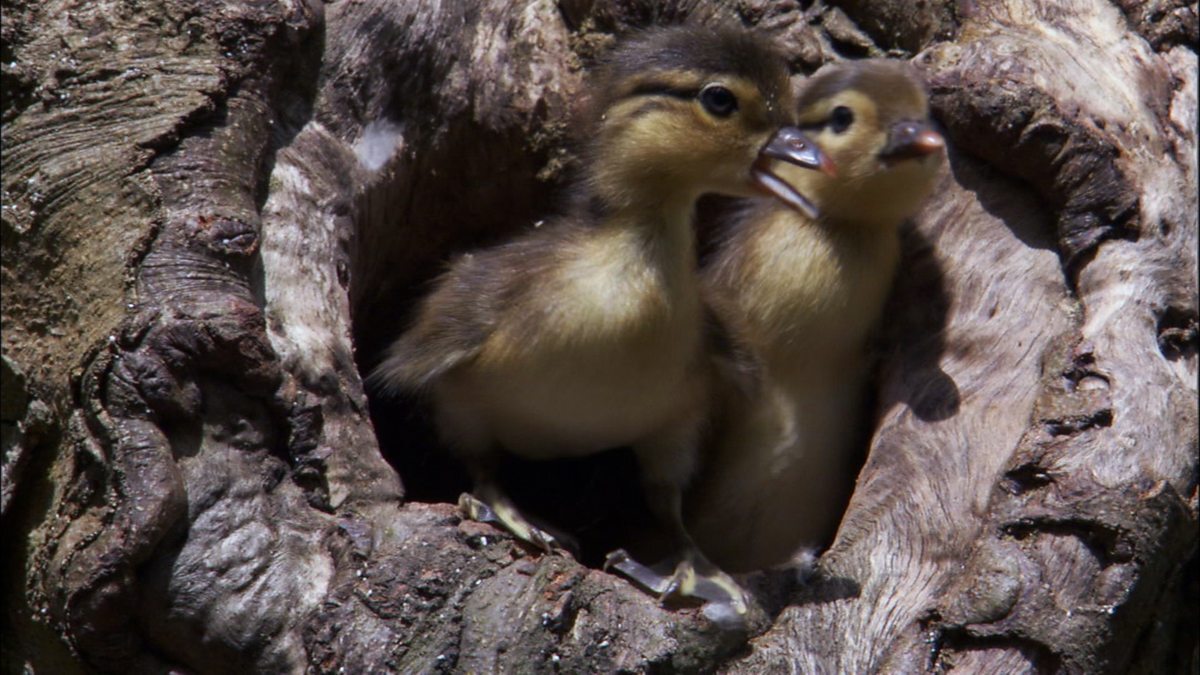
[207,207]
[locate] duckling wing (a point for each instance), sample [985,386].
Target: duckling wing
[451,326]
[480,293]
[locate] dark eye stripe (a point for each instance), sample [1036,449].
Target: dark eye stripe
[659,89]
[649,106]
[839,121]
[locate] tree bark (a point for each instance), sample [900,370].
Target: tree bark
[209,207]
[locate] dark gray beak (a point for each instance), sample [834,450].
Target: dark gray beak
[911,140]
[789,144]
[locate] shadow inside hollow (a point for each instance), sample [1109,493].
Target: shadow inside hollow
[786,586]
[912,334]
[915,319]
[994,192]
[596,501]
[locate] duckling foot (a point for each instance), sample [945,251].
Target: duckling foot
[503,514]
[688,578]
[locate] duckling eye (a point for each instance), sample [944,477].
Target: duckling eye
[718,100]
[841,119]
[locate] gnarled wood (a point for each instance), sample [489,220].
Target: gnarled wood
[209,207]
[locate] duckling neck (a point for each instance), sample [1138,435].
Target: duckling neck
[862,225]
[854,210]
[661,214]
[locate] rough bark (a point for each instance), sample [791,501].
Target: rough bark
[207,207]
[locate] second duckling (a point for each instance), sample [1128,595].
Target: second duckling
[801,295]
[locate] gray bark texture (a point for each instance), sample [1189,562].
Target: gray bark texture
[208,207]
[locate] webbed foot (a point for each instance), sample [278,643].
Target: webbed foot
[692,576]
[502,513]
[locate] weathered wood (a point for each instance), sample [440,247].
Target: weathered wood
[209,207]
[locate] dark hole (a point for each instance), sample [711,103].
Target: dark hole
[596,501]
[1178,333]
[1026,477]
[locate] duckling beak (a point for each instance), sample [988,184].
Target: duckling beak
[789,144]
[911,140]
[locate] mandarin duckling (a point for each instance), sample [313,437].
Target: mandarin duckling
[586,334]
[801,294]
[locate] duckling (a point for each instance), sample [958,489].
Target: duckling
[802,294]
[585,334]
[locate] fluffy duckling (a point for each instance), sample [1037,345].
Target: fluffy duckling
[585,334]
[801,294]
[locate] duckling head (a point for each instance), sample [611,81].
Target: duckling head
[872,118]
[684,111]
